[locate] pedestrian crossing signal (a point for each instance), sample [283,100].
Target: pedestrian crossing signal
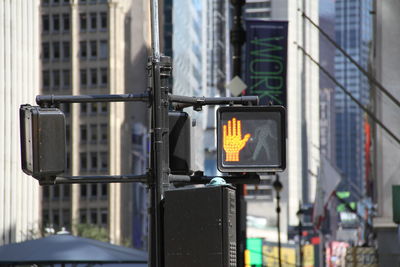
[251,139]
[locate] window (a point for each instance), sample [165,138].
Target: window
[56,78]
[103,160]
[93,190]
[83,49]
[66,22]
[66,50]
[93,77]
[46,192]
[94,108]
[104,190]
[56,217]
[93,133]
[56,2]
[103,76]
[103,133]
[93,49]
[83,190]
[103,216]
[66,78]
[67,133]
[82,216]
[45,2]
[66,1]
[66,191]
[93,160]
[83,108]
[93,216]
[83,76]
[83,133]
[103,49]
[104,107]
[93,21]
[56,50]
[66,214]
[83,21]
[56,192]
[83,161]
[46,78]
[46,51]
[45,23]
[56,22]
[103,20]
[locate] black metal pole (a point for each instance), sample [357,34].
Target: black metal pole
[237,39]
[300,246]
[278,188]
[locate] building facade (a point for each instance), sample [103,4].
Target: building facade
[353,32]
[19,84]
[96,47]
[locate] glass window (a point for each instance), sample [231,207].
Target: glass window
[66,78]
[46,51]
[66,50]
[45,2]
[46,192]
[83,190]
[93,190]
[103,216]
[93,49]
[66,214]
[46,78]
[83,76]
[93,216]
[83,49]
[103,160]
[56,217]
[93,133]
[103,133]
[56,191]
[82,216]
[83,132]
[104,107]
[104,76]
[103,49]
[83,161]
[83,21]
[93,21]
[45,23]
[103,20]
[104,190]
[56,78]
[94,108]
[83,108]
[56,22]
[67,191]
[93,77]
[56,2]
[56,50]
[66,22]
[93,160]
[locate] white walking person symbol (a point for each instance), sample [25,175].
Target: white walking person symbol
[262,133]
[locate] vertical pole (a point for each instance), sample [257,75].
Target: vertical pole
[300,245]
[159,68]
[237,40]
[278,188]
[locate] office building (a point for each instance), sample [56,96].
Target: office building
[97,47]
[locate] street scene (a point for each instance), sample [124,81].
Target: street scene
[201,133]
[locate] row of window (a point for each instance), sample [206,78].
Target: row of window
[56,218]
[92,161]
[61,79]
[93,49]
[56,192]
[94,133]
[56,23]
[93,77]
[87,50]
[93,216]
[94,191]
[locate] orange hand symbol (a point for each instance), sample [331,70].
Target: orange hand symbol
[232,139]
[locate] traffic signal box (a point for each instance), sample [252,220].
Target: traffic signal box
[42,141]
[251,139]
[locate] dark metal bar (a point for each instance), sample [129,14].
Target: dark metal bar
[359,67]
[97,179]
[248,178]
[237,35]
[187,101]
[43,100]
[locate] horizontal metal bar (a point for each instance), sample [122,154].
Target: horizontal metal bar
[42,100]
[248,178]
[97,179]
[202,101]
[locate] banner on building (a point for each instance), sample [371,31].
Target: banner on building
[266,60]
